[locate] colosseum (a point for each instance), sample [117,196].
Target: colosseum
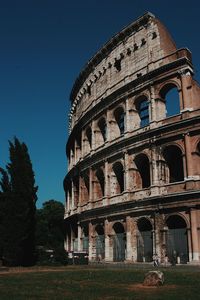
[133,182]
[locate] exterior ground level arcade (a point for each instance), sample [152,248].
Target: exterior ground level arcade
[133,181]
[130,234]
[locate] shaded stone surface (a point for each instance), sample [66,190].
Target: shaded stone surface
[153,278]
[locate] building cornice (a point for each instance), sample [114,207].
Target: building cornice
[107,49]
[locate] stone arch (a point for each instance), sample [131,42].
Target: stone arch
[177,239]
[85,187]
[142,107]
[88,133]
[102,125]
[100,242]
[78,146]
[119,115]
[170,94]
[143,171]
[174,161]
[144,240]
[119,242]
[117,178]
[99,184]
[76,190]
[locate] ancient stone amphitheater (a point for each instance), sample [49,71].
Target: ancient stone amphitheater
[133,181]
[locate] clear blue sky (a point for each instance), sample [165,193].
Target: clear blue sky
[43,47]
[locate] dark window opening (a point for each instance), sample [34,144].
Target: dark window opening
[76,191]
[171,96]
[120,119]
[144,240]
[117,64]
[144,224]
[142,163]
[128,51]
[154,35]
[119,173]
[101,180]
[103,128]
[173,157]
[89,90]
[118,228]
[135,47]
[143,110]
[143,42]
[89,136]
[99,230]
[176,221]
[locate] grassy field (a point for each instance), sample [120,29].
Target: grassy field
[97,283]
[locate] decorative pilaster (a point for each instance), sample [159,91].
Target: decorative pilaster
[131,240]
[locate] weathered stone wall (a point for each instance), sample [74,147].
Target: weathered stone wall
[124,171]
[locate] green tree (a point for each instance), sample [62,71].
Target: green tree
[49,229]
[17,205]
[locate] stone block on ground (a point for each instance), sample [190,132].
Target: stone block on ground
[154,278]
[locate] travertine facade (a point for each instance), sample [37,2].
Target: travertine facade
[133,182]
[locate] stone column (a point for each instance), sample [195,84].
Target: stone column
[108,125]
[72,204]
[126,172]
[157,241]
[188,156]
[127,119]
[186,84]
[152,106]
[93,146]
[108,242]
[92,248]
[90,185]
[136,118]
[107,180]
[131,240]
[194,235]
[154,167]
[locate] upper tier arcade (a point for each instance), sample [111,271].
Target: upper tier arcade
[135,52]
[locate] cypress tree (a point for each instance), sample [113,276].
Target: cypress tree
[18,198]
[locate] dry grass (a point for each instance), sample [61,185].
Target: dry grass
[89,283]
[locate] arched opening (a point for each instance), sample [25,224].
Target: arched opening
[142,107]
[120,119]
[144,240]
[89,136]
[177,240]
[174,160]
[119,242]
[143,168]
[103,128]
[68,192]
[100,185]
[171,96]
[100,243]
[119,176]
[76,190]
[78,147]
[85,239]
